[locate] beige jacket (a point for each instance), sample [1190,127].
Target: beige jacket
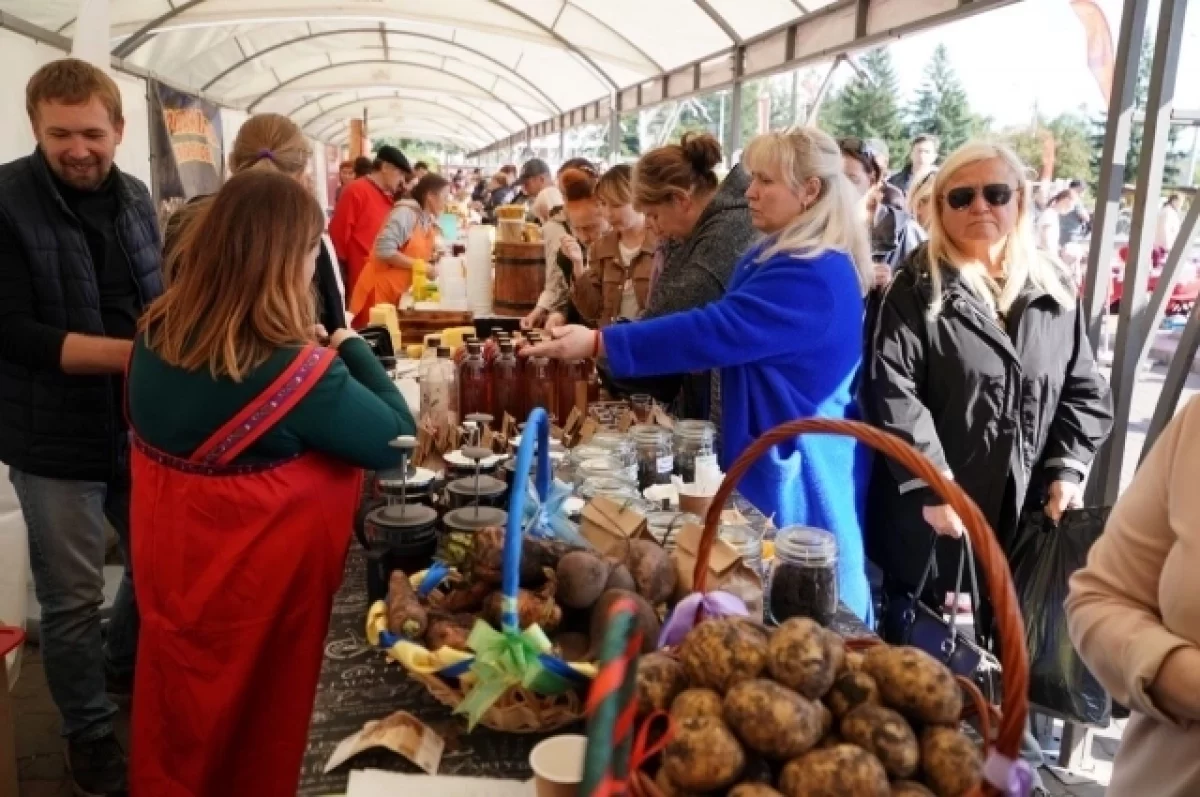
[1138,600]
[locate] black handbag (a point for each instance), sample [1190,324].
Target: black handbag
[913,623]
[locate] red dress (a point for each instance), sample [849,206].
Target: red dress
[236,568]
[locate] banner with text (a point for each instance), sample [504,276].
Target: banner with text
[188,156]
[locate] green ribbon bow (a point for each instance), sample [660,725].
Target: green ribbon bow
[504,659]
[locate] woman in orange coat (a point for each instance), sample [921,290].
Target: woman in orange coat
[409,235]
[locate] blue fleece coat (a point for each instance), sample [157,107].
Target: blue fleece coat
[787,337]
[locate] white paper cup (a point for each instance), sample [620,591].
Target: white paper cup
[696,504]
[557,765]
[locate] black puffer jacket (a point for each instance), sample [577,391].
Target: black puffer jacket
[1005,410]
[52,424]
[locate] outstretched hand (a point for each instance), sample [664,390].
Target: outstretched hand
[569,342]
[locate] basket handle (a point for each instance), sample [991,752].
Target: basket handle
[536,432]
[1014,658]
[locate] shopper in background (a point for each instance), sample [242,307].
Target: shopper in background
[534,178]
[1048,222]
[1170,220]
[1135,616]
[80,259]
[919,202]
[587,224]
[271,141]
[893,233]
[787,338]
[703,225]
[248,445]
[407,238]
[362,166]
[500,192]
[922,156]
[980,360]
[616,284]
[549,211]
[1077,221]
[345,177]
[364,206]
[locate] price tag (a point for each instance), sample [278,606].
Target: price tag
[666,463]
[704,461]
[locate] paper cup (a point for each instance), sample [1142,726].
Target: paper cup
[696,504]
[557,765]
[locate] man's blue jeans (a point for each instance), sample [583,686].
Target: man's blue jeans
[66,549]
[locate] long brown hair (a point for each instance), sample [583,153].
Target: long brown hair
[240,292]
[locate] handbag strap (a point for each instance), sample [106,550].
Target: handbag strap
[966,558]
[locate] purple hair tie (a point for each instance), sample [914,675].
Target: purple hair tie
[266,153]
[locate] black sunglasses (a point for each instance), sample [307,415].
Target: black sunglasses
[995,194]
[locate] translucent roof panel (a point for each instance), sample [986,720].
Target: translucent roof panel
[501,64]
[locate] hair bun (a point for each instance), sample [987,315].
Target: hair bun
[577,185]
[702,151]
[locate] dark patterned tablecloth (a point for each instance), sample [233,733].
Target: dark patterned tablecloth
[358,684]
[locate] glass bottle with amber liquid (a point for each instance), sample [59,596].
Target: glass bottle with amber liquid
[540,385]
[474,383]
[508,395]
[572,379]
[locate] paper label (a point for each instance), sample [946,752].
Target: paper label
[666,463]
[402,733]
[705,461]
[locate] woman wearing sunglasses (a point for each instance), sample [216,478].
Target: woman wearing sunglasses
[980,360]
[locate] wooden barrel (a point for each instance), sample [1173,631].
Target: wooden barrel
[416,324]
[520,276]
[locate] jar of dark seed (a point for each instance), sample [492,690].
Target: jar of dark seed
[804,576]
[655,458]
[694,447]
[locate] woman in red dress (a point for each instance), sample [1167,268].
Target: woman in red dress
[249,444]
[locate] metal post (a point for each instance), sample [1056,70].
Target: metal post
[1106,482]
[562,145]
[823,91]
[1112,169]
[735,105]
[614,132]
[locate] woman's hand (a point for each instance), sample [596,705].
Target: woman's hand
[570,342]
[570,247]
[883,275]
[535,319]
[944,520]
[340,336]
[555,321]
[1061,496]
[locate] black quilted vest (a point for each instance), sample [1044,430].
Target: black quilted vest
[52,424]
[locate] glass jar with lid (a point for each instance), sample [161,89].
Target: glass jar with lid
[600,467]
[746,581]
[620,447]
[609,487]
[664,526]
[695,448]
[803,579]
[655,458]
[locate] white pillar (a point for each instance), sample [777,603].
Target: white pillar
[92,29]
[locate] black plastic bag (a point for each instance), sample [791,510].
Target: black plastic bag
[1042,560]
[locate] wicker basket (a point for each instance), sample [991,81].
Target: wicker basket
[1009,722]
[446,672]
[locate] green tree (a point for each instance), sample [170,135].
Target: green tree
[1141,91]
[1072,145]
[941,106]
[867,106]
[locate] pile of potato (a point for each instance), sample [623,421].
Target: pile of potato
[566,591]
[790,712]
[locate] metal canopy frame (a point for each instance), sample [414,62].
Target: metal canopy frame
[789,46]
[367,102]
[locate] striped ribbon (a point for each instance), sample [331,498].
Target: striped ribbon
[612,706]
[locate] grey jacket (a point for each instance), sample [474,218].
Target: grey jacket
[697,270]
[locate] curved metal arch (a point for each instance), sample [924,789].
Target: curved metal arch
[316,100]
[465,130]
[719,21]
[380,61]
[449,135]
[527,83]
[465,135]
[144,33]
[325,112]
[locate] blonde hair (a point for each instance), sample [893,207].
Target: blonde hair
[1023,262]
[239,292]
[922,187]
[834,221]
[270,141]
[615,186]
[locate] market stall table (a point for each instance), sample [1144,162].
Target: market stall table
[358,684]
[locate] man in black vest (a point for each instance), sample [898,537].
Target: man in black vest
[80,259]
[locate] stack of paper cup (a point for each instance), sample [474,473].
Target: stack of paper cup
[479,269]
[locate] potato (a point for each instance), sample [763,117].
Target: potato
[405,614]
[915,684]
[652,569]
[660,679]
[647,619]
[753,790]
[671,789]
[620,578]
[886,735]
[581,579]
[805,657]
[952,764]
[773,720]
[909,788]
[854,661]
[704,755]
[852,688]
[697,703]
[841,771]
[720,653]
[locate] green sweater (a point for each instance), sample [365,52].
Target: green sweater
[351,414]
